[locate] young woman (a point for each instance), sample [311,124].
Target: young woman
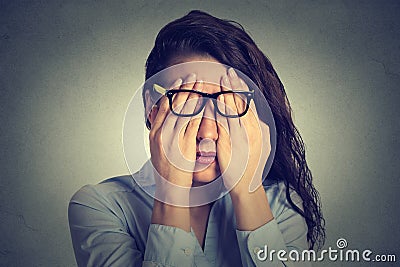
[117,223]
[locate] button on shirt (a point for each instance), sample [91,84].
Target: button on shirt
[111,225]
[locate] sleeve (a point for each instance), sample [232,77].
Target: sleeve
[99,236]
[279,242]
[169,246]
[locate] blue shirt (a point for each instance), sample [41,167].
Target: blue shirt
[111,225]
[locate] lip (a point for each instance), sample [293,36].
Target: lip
[203,157]
[206,154]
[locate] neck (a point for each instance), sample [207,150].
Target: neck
[198,221]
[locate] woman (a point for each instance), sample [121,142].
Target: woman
[117,223]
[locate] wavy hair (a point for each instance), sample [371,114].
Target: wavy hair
[199,33]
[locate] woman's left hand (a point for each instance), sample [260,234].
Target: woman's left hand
[243,145]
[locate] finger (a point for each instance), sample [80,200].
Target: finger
[252,108]
[221,120]
[243,85]
[198,86]
[193,125]
[162,113]
[229,101]
[180,99]
[192,103]
[194,99]
[163,109]
[170,120]
[223,141]
[189,81]
[230,105]
[177,84]
[237,85]
[246,88]
[234,80]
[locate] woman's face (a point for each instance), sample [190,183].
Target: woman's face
[207,135]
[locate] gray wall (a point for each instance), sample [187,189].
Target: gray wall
[69,68]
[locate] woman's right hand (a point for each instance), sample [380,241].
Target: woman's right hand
[173,138]
[173,154]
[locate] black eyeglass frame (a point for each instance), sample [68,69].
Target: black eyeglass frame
[248,94]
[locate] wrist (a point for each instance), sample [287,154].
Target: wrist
[243,194]
[244,187]
[165,214]
[173,195]
[252,209]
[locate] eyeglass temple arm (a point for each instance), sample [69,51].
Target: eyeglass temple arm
[159,89]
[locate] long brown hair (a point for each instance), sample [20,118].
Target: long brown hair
[202,34]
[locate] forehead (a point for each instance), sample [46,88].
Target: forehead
[210,72]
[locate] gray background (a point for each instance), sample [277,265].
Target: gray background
[69,68]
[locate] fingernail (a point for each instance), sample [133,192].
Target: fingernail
[243,84]
[232,73]
[225,79]
[191,77]
[177,83]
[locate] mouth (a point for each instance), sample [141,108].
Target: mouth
[203,157]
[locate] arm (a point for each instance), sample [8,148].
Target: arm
[248,140]
[99,235]
[173,140]
[286,232]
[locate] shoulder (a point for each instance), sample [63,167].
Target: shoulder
[103,201]
[116,187]
[105,188]
[118,200]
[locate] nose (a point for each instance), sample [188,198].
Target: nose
[208,126]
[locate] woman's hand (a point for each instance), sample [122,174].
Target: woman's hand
[173,155]
[173,138]
[243,143]
[243,148]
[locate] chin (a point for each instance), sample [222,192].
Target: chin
[207,175]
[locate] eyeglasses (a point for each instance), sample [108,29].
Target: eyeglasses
[231,109]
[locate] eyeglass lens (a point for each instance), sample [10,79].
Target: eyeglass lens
[230,104]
